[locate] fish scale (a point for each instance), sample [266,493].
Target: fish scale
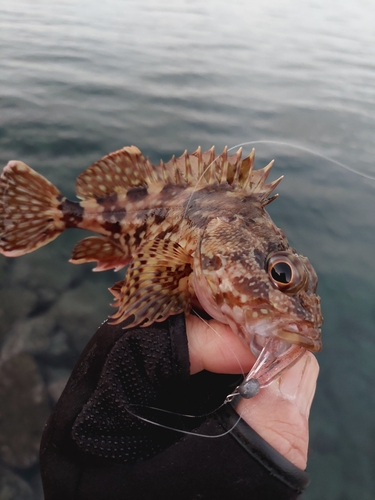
[193,229]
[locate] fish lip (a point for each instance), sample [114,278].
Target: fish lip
[309,337]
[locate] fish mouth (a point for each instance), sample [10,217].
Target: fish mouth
[299,333]
[277,343]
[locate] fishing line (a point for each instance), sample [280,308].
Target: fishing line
[280,143]
[176,429]
[221,337]
[306,150]
[186,415]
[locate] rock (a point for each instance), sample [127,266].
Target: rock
[56,381]
[39,270]
[13,487]
[55,389]
[80,312]
[24,411]
[47,296]
[37,336]
[15,302]
[36,484]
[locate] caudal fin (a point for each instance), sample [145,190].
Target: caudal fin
[29,210]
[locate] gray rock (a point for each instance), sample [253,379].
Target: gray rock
[13,487]
[48,267]
[36,484]
[47,296]
[24,410]
[56,381]
[80,311]
[36,335]
[15,302]
[55,388]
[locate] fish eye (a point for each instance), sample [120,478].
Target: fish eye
[282,272]
[286,271]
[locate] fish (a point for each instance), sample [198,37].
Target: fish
[191,231]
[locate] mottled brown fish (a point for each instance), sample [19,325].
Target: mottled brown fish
[192,228]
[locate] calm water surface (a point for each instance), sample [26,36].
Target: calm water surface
[81,78]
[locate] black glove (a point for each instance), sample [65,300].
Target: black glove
[107,437]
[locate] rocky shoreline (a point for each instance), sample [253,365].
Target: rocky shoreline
[49,309]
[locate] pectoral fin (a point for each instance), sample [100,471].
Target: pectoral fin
[156,284]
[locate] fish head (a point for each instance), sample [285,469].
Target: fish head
[246,275]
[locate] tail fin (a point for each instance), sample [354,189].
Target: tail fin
[29,210]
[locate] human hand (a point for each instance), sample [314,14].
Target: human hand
[279,413]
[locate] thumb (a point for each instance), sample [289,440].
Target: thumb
[279,413]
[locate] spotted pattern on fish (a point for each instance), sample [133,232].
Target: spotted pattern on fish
[194,228]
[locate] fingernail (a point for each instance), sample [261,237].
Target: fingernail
[298,384]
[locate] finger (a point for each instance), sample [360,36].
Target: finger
[214,347]
[279,413]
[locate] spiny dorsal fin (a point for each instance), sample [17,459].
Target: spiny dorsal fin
[156,284]
[128,168]
[202,169]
